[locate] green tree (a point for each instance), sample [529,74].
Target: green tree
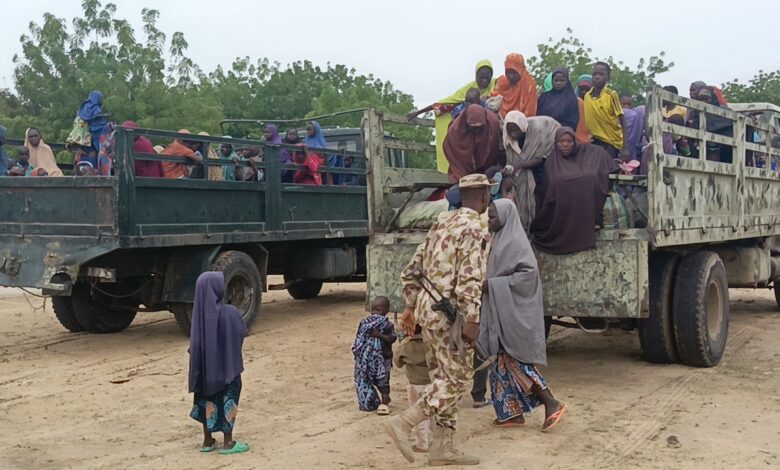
[60,65]
[572,53]
[764,87]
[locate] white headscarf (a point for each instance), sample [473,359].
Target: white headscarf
[517,118]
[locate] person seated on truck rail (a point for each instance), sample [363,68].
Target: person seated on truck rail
[311,161]
[574,189]
[517,87]
[483,81]
[473,143]
[180,148]
[604,115]
[560,103]
[528,143]
[144,168]
[41,155]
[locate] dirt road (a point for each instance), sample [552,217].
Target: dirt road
[120,401]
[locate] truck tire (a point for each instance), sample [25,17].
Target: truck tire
[305,289]
[656,332]
[97,312]
[182,313]
[701,309]
[243,286]
[63,310]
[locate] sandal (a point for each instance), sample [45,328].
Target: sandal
[554,419]
[238,448]
[208,448]
[510,423]
[383,410]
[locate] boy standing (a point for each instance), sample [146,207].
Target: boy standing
[604,115]
[373,353]
[411,355]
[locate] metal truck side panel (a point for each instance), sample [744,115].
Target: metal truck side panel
[608,281]
[388,255]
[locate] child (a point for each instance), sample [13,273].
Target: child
[472,97]
[604,115]
[373,353]
[312,163]
[216,363]
[22,167]
[411,355]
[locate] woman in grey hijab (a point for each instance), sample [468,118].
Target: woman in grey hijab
[512,323]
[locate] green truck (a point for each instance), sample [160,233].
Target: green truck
[708,225]
[102,247]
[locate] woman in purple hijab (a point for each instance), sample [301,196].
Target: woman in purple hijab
[216,339]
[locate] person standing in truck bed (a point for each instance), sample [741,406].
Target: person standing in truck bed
[604,115]
[453,258]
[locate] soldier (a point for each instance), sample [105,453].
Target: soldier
[453,257]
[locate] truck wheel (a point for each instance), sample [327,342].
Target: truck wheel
[305,289]
[243,288]
[98,313]
[63,310]
[701,309]
[656,332]
[182,313]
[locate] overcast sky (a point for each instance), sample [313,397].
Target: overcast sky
[429,48]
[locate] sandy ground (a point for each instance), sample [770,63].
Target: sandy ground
[61,409]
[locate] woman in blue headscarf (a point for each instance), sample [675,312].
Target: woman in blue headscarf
[91,112]
[316,139]
[216,362]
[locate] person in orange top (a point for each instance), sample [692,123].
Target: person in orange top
[180,148]
[517,87]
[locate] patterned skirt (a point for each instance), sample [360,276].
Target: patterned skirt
[510,383]
[218,411]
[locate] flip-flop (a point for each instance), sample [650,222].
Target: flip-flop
[555,418]
[383,410]
[481,404]
[511,423]
[208,448]
[238,448]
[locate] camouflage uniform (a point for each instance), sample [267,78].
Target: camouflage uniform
[453,256]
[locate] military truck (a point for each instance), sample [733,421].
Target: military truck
[710,226]
[104,246]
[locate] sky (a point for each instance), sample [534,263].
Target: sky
[428,48]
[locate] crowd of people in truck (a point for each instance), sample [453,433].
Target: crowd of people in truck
[92,140]
[558,147]
[488,124]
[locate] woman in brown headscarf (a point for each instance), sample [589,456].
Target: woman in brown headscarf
[574,188]
[472,144]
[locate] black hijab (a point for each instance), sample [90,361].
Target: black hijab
[560,105]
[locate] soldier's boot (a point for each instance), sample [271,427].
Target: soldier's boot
[443,452]
[400,426]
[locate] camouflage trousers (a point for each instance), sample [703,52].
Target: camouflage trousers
[450,375]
